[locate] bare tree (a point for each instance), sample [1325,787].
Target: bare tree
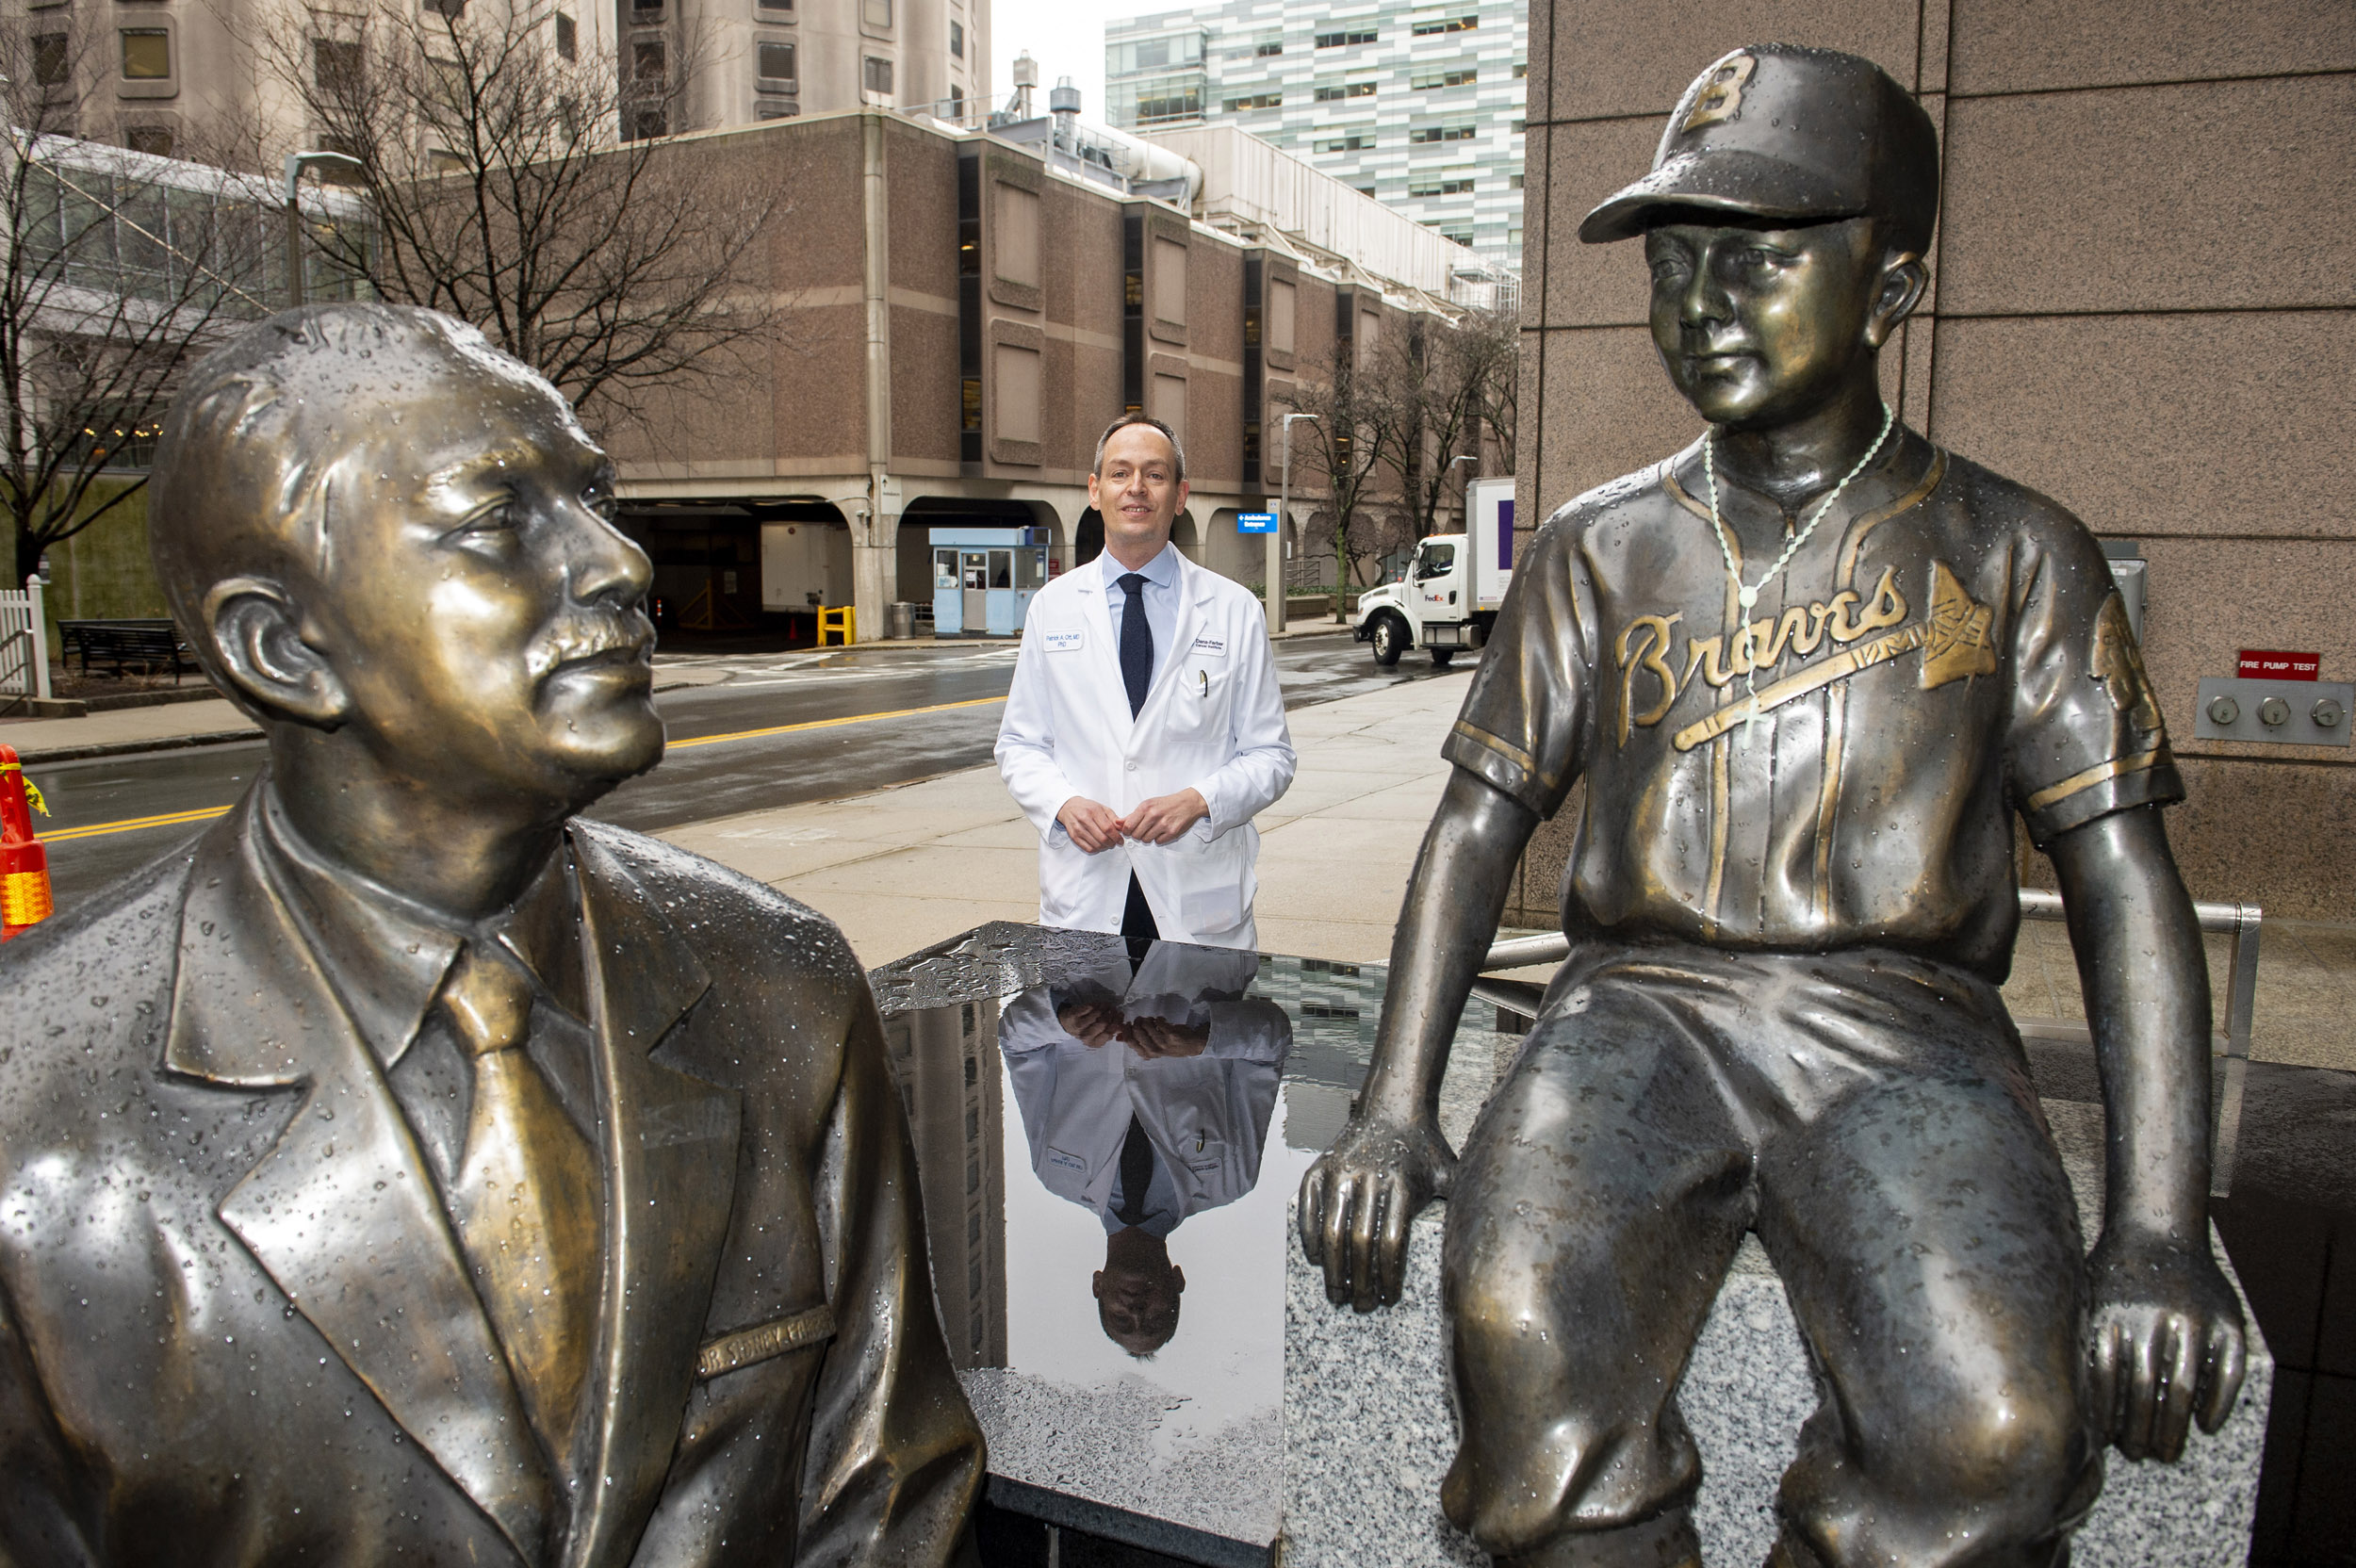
[1430,381]
[519,180]
[120,267]
[1499,391]
[1345,447]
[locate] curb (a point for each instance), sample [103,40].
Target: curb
[128,748]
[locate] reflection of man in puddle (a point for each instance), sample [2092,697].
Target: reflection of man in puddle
[1145,1088]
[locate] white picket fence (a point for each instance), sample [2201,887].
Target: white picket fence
[23,643]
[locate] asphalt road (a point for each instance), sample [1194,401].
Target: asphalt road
[779,729]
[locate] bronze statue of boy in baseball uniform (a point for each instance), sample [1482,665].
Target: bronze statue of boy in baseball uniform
[1807,668]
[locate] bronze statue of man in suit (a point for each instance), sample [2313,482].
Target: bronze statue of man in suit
[410,1170]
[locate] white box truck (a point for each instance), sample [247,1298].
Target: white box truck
[1454,582]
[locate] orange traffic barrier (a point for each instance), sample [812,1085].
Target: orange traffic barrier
[25,900]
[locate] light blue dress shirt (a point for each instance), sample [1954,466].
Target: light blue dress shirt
[1161,602]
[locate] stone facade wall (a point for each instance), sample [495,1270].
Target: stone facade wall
[2131,311]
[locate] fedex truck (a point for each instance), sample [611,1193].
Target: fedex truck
[1454,582]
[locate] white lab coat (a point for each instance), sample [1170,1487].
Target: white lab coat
[1205,1116]
[1214,721]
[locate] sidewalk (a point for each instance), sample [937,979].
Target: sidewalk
[124,731]
[903,868]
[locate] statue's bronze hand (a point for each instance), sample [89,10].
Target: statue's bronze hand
[2166,1344]
[1358,1199]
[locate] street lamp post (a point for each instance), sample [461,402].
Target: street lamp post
[296,164]
[1276,540]
[1464,516]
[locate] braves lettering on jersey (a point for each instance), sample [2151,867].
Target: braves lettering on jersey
[1840,768]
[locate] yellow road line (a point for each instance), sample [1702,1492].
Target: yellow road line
[829,724]
[206,813]
[170,819]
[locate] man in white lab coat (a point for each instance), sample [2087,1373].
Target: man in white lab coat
[1145,729]
[1146,1098]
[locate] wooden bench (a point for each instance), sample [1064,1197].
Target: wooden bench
[146,643]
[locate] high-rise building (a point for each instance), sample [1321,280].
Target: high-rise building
[181,77]
[773,59]
[1418,105]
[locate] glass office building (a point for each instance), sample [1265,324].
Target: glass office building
[1418,106]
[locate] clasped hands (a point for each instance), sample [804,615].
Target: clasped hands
[1096,1023]
[2164,1339]
[1158,821]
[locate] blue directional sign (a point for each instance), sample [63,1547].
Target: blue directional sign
[1256,522]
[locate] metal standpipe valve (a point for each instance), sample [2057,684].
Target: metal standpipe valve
[2223,711]
[2274,712]
[2326,713]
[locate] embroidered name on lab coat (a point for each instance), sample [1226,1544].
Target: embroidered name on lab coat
[1058,1157]
[1063,641]
[1213,647]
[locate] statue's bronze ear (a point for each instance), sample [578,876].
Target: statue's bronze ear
[1904,282]
[258,645]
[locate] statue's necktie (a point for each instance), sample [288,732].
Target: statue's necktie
[1136,642]
[528,1203]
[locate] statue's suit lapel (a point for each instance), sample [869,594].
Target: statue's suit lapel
[342,1211]
[670,1160]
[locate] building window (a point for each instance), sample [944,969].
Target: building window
[1257,101]
[957,38]
[53,59]
[1333,91]
[1441,133]
[1454,183]
[1153,53]
[777,62]
[1158,103]
[1343,40]
[774,108]
[1521,69]
[785,7]
[646,12]
[1366,190]
[957,103]
[1455,75]
[148,138]
[877,76]
[875,13]
[1513,182]
[146,53]
[1357,142]
[1519,127]
[335,66]
[1445,25]
[646,61]
[567,38]
[1267,48]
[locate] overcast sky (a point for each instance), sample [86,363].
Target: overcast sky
[1066,37]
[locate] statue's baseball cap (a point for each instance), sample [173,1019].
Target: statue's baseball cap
[1783,131]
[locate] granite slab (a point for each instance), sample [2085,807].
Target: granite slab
[1370,1428]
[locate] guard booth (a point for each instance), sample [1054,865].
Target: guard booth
[983,578]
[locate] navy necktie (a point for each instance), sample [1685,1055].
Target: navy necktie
[1137,1174]
[1136,642]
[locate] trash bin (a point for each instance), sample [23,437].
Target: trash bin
[903,621]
